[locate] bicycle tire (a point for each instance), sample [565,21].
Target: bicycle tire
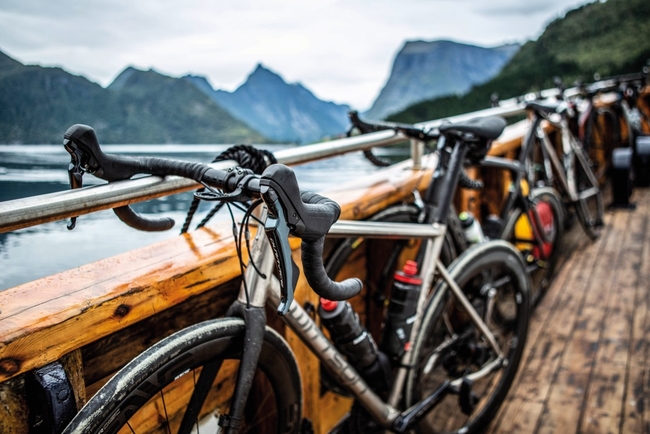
[510,313]
[589,206]
[540,261]
[217,344]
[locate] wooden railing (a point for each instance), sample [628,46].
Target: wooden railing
[96,318]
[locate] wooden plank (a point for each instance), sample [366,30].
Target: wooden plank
[551,326]
[637,388]
[544,349]
[36,335]
[565,400]
[105,356]
[604,404]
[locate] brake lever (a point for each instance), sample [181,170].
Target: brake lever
[277,232]
[75,175]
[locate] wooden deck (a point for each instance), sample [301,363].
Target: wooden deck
[586,367]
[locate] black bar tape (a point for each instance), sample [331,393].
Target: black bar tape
[321,213]
[136,221]
[116,167]
[312,262]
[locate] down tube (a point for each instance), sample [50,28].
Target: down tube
[302,324]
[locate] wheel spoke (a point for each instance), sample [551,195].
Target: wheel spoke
[162,397]
[199,395]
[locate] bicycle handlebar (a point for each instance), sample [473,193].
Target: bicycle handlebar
[306,215]
[408,130]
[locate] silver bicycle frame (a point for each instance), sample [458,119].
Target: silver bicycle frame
[258,290]
[564,170]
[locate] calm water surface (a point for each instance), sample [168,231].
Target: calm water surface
[29,170]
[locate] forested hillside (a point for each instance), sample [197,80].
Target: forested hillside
[605,38]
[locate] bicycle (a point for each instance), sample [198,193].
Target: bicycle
[467,337]
[570,172]
[598,127]
[530,218]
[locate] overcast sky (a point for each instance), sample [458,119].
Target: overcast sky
[341,50]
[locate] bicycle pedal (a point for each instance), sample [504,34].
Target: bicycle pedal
[466,398]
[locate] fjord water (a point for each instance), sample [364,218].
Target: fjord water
[29,170]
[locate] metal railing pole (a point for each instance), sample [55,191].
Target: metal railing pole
[31,211]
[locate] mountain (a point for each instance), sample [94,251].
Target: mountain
[38,104]
[171,110]
[605,38]
[280,111]
[425,70]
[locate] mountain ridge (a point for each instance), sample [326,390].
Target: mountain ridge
[423,70]
[285,112]
[37,105]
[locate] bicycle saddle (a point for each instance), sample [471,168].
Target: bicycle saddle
[488,128]
[545,107]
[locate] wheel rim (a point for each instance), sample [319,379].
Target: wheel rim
[163,412]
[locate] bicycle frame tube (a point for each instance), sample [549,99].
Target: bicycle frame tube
[558,167]
[266,288]
[304,326]
[431,252]
[582,160]
[263,287]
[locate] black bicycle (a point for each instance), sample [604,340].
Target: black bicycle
[531,218]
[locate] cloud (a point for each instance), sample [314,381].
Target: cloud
[522,8]
[340,50]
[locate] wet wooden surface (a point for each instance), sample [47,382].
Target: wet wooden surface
[587,359]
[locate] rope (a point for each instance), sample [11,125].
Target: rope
[374,159]
[469,183]
[247,157]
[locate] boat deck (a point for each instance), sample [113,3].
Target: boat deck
[587,359]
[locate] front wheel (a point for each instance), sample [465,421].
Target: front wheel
[184,383]
[449,347]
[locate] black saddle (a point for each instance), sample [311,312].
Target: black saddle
[488,128]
